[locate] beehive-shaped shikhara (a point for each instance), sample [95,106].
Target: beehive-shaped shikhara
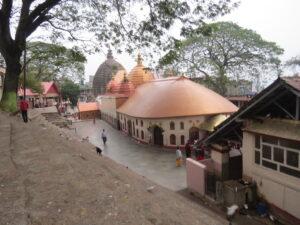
[104,74]
[140,74]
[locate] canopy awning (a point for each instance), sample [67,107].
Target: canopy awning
[212,122]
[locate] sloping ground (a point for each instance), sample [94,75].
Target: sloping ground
[48,178]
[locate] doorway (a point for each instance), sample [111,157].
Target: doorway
[129,127]
[158,138]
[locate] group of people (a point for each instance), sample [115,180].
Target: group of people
[199,152]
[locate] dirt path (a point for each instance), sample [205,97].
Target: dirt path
[46,178]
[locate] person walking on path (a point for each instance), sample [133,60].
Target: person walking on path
[188,151]
[24,108]
[178,157]
[103,136]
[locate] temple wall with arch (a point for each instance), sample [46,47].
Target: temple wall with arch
[142,129]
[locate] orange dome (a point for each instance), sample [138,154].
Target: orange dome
[139,74]
[120,75]
[174,97]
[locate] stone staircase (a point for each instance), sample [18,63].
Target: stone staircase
[57,119]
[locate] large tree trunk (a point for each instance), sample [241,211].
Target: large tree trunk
[13,70]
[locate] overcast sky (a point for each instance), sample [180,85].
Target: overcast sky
[274,20]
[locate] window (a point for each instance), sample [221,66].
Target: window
[290,144]
[137,133]
[133,129]
[266,151]
[142,123]
[181,125]
[137,122]
[292,158]
[172,125]
[278,154]
[270,140]
[172,139]
[257,157]
[182,140]
[142,135]
[257,141]
[270,165]
[290,171]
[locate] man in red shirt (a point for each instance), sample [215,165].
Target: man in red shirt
[23,108]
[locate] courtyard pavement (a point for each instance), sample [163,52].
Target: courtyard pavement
[155,163]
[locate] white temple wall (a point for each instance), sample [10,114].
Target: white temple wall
[141,125]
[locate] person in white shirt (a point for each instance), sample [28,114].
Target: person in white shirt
[178,157]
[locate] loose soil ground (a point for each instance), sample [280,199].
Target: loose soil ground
[48,176]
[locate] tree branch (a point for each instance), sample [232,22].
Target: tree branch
[43,8]
[69,31]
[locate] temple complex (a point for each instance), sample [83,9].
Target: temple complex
[105,73]
[166,112]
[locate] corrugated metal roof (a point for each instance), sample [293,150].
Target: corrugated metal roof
[87,106]
[293,81]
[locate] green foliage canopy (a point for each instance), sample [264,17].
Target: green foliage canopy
[130,23]
[70,90]
[225,51]
[49,62]
[293,63]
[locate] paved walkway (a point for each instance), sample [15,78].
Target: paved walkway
[152,162]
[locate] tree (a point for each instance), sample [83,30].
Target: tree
[293,63]
[70,90]
[225,51]
[49,62]
[110,22]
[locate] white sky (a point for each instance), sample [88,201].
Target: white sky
[274,20]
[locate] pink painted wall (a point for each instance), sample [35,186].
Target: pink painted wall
[195,176]
[209,163]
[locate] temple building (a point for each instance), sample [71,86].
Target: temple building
[50,95]
[88,110]
[267,133]
[105,73]
[118,90]
[170,111]
[140,74]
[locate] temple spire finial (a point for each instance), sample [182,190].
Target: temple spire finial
[139,59]
[109,54]
[125,79]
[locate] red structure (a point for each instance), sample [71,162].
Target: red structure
[49,97]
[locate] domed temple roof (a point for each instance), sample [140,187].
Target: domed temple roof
[126,88]
[175,97]
[120,84]
[104,74]
[140,74]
